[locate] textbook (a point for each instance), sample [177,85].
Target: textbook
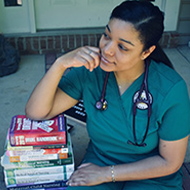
[26,132]
[58,188]
[38,152]
[69,168]
[22,188]
[35,154]
[5,162]
[37,178]
[31,150]
[38,157]
[56,185]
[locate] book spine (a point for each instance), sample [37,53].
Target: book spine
[28,148]
[11,130]
[24,158]
[69,168]
[38,164]
[37,178]
[49,185]
[33,140]
[24,188]
[37,151]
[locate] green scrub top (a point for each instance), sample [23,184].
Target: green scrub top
[110,130]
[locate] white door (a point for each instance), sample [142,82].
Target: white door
[59,14]
[15,19]
[67,14]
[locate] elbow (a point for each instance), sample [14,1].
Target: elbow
[31,115]
[173,168]
[34,114]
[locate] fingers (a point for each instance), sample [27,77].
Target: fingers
[90,56]
[84,165]
[86,174]
[79,181]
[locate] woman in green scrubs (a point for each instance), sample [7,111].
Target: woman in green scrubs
[117,156]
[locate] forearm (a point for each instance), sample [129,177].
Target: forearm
[152,167]
[42,97]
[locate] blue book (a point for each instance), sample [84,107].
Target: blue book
[57,185]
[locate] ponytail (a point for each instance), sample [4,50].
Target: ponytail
[158,55]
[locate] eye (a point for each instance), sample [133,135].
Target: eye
[122,47]
[106,36]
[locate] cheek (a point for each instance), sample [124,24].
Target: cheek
[101,42]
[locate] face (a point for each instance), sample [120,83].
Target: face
[121,48]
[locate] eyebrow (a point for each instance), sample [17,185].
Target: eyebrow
[126,41]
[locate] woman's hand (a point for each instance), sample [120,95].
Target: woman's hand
[87,56]
[88,174]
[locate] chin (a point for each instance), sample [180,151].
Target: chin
[105,67]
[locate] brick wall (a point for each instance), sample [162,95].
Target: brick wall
[63,43]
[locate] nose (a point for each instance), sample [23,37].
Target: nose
[109,48]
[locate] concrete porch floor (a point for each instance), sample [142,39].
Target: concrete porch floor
[16,88]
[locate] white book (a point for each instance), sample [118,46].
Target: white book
[24,158]
[69,168]
[37,178]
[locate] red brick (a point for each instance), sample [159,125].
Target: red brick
[50,43]
[64,42]
[92,40]
[71,42]
[35,44]
[78,40]
[43,43]
[57,42]
[28,44]
[85,39]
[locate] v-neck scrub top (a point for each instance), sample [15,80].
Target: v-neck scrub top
[110,130]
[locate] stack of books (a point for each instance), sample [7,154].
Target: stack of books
[38,154]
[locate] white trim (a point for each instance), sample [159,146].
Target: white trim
[31,16]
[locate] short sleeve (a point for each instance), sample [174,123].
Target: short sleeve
[71,83]
[175,118]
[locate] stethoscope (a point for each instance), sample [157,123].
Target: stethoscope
[142,99]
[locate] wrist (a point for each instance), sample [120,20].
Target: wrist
[110,174]
[59,62]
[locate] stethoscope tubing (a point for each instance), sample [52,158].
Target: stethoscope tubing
[104,87]
[147,101]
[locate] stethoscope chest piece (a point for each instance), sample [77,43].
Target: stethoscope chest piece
[101,105]
[141,100]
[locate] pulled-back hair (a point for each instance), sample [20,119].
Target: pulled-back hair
[148,20]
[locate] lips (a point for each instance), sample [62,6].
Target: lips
[104,60]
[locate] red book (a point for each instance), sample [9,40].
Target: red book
[26,132]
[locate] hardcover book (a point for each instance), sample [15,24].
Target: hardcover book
[26,132]
[30,150]
[22,158]
[37,178]
[55,185]
[5,161]
[68,168]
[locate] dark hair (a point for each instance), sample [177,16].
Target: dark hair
[148,20]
